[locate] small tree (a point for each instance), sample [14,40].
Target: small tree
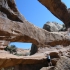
[12,49]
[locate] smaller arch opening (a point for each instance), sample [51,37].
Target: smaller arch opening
[22,45]
[19,48]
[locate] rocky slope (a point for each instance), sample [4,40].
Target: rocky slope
[23,52]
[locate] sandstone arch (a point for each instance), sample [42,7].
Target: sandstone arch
[20,30]
[17,29]
[58,9]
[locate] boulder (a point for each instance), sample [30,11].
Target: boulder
[52,26]
[58,9]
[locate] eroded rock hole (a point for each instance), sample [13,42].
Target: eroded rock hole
[19,49]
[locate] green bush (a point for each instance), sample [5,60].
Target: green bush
[12,49]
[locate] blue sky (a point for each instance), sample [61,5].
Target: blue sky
[37,14]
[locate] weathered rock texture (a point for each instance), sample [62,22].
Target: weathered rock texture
[26,32]
[7,60]
[52,26]
[37,60]
[14,28]
[3,44]
[63,64]
[17,31]
[55,52]
[58,9]
[8,10]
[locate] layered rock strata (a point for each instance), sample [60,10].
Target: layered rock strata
[25,32]
[20,30]
[3,44]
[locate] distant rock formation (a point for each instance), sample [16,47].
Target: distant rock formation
[52,26]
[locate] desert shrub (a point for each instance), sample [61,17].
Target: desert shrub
[12,49]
